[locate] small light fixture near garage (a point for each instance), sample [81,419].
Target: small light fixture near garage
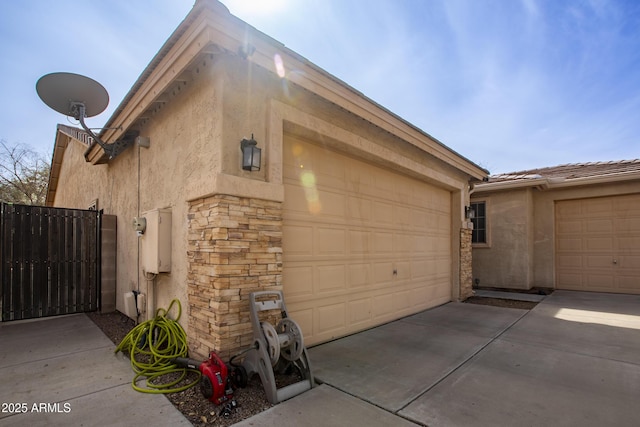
[469,212]
[251,154]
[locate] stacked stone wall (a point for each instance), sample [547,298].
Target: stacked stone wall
[466,266]
[234,248]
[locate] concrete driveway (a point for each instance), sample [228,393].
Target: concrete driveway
[574,360]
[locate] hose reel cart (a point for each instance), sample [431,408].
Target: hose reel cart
[275,349]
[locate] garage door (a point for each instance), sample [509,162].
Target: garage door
[362,245]
[598,244]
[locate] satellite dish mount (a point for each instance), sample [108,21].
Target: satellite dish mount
[78,111]
[78,96]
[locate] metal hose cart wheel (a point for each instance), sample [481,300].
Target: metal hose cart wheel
[276,348]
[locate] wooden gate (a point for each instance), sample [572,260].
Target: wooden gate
[49,261]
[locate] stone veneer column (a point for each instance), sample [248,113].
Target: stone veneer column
[234,248]
[466,266]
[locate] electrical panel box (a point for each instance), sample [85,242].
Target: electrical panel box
[130,305]
[155,243]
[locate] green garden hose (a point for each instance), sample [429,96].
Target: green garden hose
[152,346]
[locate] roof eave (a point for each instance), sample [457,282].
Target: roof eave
[555,183]
[210,26]
[591,180]
[510,185]
[59,147]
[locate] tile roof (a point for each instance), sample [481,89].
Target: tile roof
[572,171]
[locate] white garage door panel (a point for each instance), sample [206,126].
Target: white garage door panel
[359,276]
[300,239]
[331,279]
[302,276]
[359,311]
[628,283]
[628,243]
[628,225]
[598,244]
[331,317]
[362,245]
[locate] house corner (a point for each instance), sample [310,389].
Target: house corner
[234,248]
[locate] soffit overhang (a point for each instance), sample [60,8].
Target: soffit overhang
[555,183]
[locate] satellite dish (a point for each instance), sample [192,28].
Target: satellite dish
[68,93]
[76,96]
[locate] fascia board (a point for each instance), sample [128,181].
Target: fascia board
[591,180]
[59,147]
[555,183]
[510,185]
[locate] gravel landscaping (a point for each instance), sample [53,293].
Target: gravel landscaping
[198,410]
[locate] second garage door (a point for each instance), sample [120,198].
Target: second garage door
[362,245]
[598,244]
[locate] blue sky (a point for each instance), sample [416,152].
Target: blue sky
[509,84]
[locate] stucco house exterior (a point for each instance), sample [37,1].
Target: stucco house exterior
[358,216]
[573,226]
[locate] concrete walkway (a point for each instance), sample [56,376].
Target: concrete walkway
[61,371]
[574,360]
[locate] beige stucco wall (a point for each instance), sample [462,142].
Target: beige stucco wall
[195,153]
[520,253]
[184,157]
[505,261]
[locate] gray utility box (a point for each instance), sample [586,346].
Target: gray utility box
[155,243]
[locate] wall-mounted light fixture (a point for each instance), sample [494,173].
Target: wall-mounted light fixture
[469,212]
[246,50]
[251,154]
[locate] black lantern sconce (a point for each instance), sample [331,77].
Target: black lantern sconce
[251,154]
[469,212]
